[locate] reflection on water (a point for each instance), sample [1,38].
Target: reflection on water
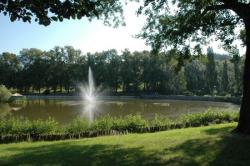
[66,111]
[5,110]
[88,110]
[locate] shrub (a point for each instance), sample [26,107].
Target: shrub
[208,117]
[20,126]
[49,126]
[77,126]
[104,123]
[15,129]
[5,94]
[119,124]
[134,122]
[161,121]
[130,123]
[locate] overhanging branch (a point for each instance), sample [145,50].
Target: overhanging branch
[215,8]
[241,8]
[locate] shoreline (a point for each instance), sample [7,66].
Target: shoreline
[234,100]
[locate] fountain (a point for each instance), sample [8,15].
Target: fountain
[88,91]
[89,96]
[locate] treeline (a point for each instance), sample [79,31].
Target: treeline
[62,69]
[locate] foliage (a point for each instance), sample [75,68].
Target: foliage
[5,94]
[20,126]
[211,73]
[159,121]
[195,76]
[236,60]
[47,11]
[134,123]
[15,129]
[77,126]
[62,69]
[208,117]
[225,80]
[176,23]
[104,123]
[130,123]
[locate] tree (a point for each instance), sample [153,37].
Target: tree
[130,76]
[224,79]
[57,58]
[9,67]
[113,63]
[46,11]
[34,68]
[176,23]
[71,65]
[152,75]
[234,52]
[195,76]
[211,73]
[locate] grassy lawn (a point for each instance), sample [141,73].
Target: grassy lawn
[212,145]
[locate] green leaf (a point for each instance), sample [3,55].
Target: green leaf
[54,18]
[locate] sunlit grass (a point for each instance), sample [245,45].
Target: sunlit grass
[211,145]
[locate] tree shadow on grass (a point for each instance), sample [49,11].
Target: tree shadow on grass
[227,149]
[68,154]
[219,148]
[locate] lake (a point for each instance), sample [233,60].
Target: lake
[65,111]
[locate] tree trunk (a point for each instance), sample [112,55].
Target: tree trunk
[61,87]
[244,120]
[54,88]
[68,89]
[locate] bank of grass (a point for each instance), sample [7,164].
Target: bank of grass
[212,145]
[16,129]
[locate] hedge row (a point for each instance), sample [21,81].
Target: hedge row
[19,129]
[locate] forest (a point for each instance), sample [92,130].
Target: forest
[63,69]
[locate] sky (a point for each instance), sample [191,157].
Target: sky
[81,34]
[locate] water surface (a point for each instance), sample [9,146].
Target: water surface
[65,111]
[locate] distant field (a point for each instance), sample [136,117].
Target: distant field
[212,145]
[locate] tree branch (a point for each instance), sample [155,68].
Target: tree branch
[215,8]
[240,8]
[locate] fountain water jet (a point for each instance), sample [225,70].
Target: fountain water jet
[89,95]
[89,91]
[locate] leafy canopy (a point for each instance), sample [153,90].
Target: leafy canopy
[179,22]
[45,11]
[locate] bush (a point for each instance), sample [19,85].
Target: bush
[5,94]
[104,123]
[130,123]
[20,126]
[15,128]
[77,126]
[134,122]
[160,121]
[208,117]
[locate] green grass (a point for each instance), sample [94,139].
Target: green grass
[211,145]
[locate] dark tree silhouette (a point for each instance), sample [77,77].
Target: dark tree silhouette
[45,11]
